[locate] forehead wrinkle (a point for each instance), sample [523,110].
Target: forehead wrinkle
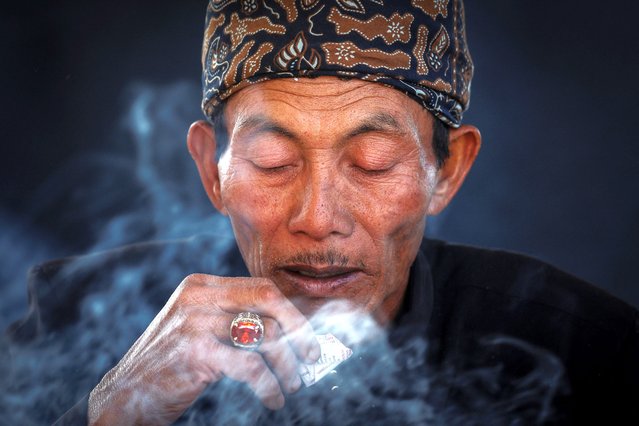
[342,96]
[319,88]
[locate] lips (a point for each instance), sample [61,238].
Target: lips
[314,272]
[319,281]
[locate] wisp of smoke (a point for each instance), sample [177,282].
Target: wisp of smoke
[145,188]
[384,383]
[150,191]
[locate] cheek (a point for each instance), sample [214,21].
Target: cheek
[396,210]
[395,221]
[407,204]
[255,212]
[406,223]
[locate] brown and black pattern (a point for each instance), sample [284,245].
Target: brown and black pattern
[416,46]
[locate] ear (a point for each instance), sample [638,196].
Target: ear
[202,146]
[464,143]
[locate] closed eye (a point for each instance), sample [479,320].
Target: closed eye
[273,169]
[373,171]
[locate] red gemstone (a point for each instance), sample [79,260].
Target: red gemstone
[246,332]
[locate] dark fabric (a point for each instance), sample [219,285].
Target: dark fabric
[509,340]
[416,47]
[481,294]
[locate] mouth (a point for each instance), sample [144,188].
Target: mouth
[320,281]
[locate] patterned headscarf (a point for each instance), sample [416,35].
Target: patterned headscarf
[416,46]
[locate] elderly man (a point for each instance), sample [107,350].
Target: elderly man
[334,131]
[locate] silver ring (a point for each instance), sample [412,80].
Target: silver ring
[247,330]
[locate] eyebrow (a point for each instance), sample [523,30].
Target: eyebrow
[257,124]
[380,122]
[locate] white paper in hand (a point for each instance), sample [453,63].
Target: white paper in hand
[333,353]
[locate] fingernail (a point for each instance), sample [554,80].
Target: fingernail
[295,384]
[314,354]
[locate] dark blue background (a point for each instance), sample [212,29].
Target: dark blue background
[555,96]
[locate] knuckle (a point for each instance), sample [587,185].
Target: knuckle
[195,289]
[186,285]
[268,293]
[192,280]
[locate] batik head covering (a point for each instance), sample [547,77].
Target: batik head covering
[416,46]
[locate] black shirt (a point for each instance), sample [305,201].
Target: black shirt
[483,337]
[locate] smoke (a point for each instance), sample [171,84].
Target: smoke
[19,250]
[384,383]
[144,187]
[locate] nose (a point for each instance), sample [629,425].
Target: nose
[321,209]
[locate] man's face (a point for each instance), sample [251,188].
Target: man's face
[327,184]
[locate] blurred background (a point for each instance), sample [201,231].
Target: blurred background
[97,98]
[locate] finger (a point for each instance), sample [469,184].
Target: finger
[280,356]
[265,298]
[248,367]
[298,331]
[262,296]
[275,348]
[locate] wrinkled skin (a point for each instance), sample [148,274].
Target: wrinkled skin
[327,184]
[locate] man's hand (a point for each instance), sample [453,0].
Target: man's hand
[187,347]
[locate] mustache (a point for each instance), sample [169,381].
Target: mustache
[328,257]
